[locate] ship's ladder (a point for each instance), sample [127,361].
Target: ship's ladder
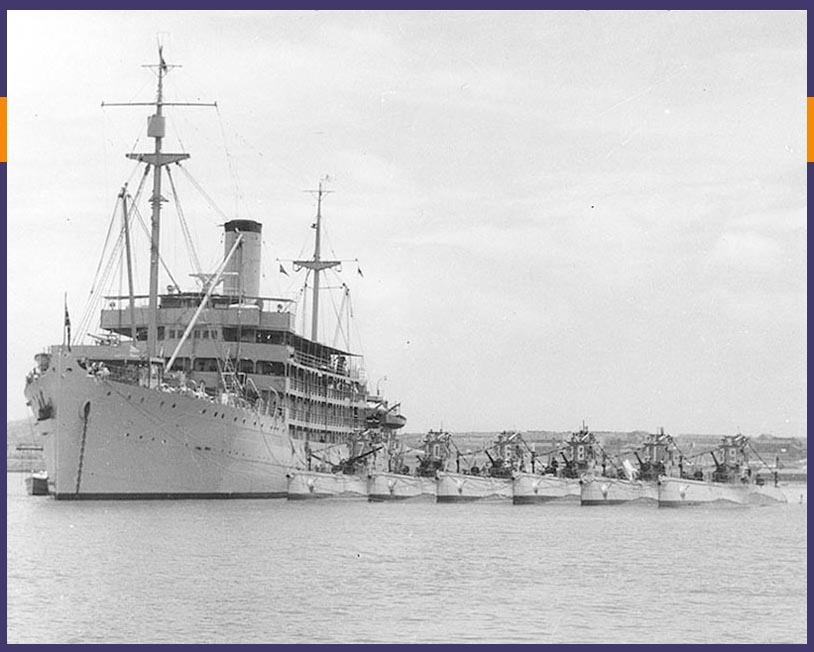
[229,378]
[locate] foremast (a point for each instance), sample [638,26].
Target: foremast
[156,160]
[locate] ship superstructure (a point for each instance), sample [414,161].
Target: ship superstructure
[210,392]
[249,343]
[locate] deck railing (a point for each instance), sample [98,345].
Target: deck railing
[349,369]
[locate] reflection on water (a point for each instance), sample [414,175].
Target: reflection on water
[270,571]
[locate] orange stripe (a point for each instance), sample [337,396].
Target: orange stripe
[811,129]
[3,127]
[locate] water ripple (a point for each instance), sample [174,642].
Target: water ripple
[273,571]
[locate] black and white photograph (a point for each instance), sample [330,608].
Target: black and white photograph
[417,327]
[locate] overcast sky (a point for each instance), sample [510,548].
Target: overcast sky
[559,215]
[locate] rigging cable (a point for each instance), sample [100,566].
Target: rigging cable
[95,281]
[160,257]
[102,278]
[193,256]
[232,172]
[339,329]
[204,194]
[99,282]
[104,281]
[754,450]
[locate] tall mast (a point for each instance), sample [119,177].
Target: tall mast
[317,264]
[155,130]
[156,159]
[317,238]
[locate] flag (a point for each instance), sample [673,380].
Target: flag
[282,270]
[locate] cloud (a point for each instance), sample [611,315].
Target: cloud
[745,251]
[789,221]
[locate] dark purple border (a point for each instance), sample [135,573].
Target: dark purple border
[5,58]
[209,4]
[549,4]
[810,195]
[3,182]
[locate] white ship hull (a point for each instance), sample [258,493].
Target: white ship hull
[613,491]
[113,440]
[529,488]
[676,492]
[457,487]
[308,485]
[393,486]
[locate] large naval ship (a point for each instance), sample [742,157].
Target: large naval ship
[205,393]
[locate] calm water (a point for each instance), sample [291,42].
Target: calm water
[254,571]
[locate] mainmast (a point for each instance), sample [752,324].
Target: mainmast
[317,264]
[157,159]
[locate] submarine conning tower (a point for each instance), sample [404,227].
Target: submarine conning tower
[242,274]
